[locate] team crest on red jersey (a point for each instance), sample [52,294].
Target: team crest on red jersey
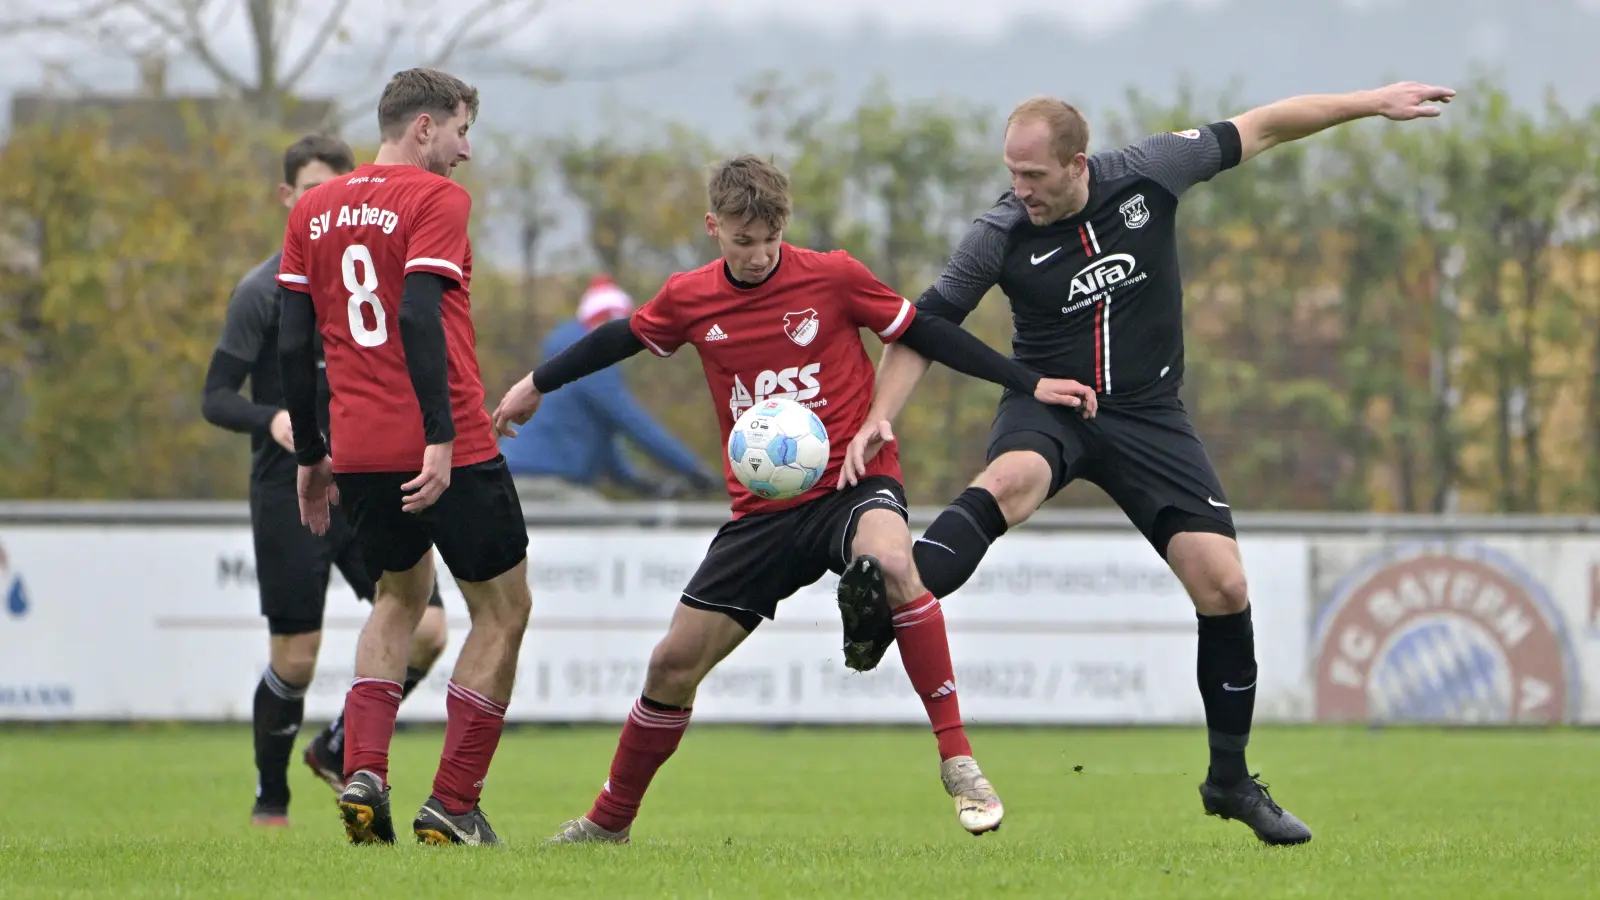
[802,326]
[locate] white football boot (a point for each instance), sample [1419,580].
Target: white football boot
[978,807]
[582,831]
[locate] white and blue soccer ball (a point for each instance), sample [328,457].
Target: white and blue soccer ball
[778,448]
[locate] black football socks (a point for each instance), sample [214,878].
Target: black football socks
[949,551]
[278,710]
[1226,669]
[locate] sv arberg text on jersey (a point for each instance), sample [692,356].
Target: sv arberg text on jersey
[352,216]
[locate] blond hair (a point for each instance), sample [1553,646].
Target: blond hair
[1069,130]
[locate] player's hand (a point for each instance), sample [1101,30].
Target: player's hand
[866,444]
[282,431]
[1066,392]
[516,407]
[430,484]
[1410,100]
[316,490]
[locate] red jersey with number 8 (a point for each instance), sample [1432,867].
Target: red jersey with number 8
[350,243]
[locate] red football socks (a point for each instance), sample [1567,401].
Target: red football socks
[369,712]
[471,734]
[649,738]
[925,652]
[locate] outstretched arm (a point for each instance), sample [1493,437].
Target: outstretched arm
[932,331]
[973,269]
[943,341]
[607,345]
[1288,120]
[609,396]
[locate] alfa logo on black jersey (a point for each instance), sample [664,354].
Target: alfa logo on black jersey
[1102,276]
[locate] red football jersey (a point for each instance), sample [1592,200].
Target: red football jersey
[350,243]
[796,335]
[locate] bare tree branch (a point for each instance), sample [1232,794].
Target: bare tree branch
[70,21]
[325,30]
[191,36]
[432,32]
[391,40]
[463,35]
[559,74]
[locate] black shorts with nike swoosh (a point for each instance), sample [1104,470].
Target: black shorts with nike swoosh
[1147,457]
[761,558]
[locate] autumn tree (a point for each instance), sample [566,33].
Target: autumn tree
[123,257]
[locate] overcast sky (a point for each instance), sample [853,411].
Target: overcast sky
[983,18]
[1088,50]
[564,21]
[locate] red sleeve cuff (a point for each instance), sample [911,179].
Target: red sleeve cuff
[900,324]
[442,267]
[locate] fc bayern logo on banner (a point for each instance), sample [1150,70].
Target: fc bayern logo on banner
[1453,633]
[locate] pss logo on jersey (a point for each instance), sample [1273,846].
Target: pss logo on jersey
[778,449]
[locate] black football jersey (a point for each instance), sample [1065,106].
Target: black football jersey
[1097,297]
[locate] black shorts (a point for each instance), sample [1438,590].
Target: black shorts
[1148,458]
[476,523]
[759,559]
[293,565]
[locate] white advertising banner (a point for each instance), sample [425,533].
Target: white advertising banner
[161,622]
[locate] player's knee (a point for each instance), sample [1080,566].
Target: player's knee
[1230,593]
[294,657]
[900,577]
[428,641]
[1019,481]
[518,606]
[503,603]
[1204,555]
[1221,594]
[674,673]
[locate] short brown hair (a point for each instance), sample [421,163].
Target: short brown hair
[749,188]
[416,91]
[336,154]
[1069,130]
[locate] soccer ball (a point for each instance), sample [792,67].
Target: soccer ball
[778,448]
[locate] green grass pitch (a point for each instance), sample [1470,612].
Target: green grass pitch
[163,812]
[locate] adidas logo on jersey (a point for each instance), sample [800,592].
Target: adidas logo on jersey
[716,334]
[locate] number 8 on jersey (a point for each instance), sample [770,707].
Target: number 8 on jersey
[350,244]
[363,296]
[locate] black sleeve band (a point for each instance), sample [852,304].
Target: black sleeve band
[933,303]
[223,406]
[945,342]
[607,345]
[427,357]
[1227,135]
[297,358]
